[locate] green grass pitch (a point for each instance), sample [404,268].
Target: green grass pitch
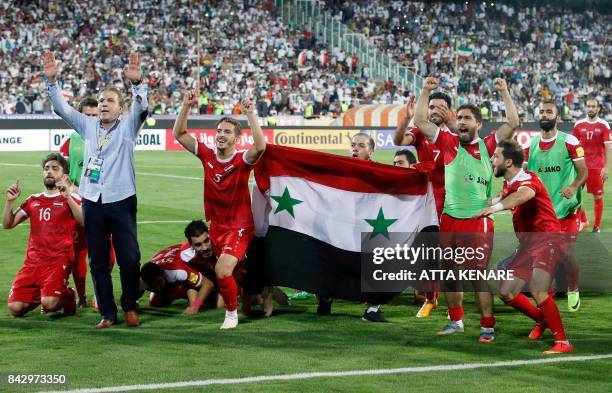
[169,347]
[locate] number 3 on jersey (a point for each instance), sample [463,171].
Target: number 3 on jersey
[44,214]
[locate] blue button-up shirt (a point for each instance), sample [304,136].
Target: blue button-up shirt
[117,179]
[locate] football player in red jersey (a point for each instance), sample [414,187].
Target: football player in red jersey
[595,137]
[427,151]
[227,200]
[535,223]
[54,215]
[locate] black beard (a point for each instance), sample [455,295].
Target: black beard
[49,183]
[547,125]
[500,171]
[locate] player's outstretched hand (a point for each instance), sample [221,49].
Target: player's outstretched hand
[567,192]
[604,174]
[190,99]
[13,191]
[430,83]
[50,66]
[500,84]
[63,186]
[410,108]
[484,212]
[132,70]
[190,310]
[247,106]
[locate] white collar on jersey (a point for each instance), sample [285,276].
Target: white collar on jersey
[51,195]
[520,176]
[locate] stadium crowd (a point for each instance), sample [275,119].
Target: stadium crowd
[561,56]
[546,52]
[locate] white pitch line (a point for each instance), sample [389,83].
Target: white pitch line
[333,374]
[171,176]
[26,165]
[162,222]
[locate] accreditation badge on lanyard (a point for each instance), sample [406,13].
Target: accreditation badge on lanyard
[94,166]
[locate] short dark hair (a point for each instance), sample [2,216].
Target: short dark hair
[591,98]
[194,229]
[409,156]
[511,150]
[116,91]
[370,139]
[472,108]
[551,102]
[88,102]
[438,95]
[60,160]
[234,122]
[150,271]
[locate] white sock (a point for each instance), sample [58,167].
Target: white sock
[373,308]
[231,314]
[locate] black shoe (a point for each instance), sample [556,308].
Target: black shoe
[374,316]
[596,230]
[324,307]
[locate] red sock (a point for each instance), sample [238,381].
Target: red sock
[229,292]
[455,313]
[598,208]
[583,217]
[573,278]
[552,318]
[487,322]
[524,305]
[431,296]
[79,275]
[79,283]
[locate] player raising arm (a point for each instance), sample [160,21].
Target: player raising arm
[227,201]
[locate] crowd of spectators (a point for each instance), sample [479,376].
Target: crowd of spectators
[545,52]
[246,50]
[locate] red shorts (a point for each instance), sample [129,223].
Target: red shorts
[594,182]
[571,225]
[34,282]
[234,242]
[473,235]
[544,255]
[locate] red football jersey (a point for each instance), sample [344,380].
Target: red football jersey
[51,228]
[227,201]
[448,142]
[538,213]
[595,138]
[427,151]
[572,144]
[175,270]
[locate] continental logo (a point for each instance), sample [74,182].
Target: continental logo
[193,278]
[580,151]
[317,139]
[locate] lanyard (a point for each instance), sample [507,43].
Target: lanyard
[109,135]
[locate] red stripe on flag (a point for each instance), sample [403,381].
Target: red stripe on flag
[344,173]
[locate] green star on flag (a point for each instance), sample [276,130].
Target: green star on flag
[380,226]
[285,202]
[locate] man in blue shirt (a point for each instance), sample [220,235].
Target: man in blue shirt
[108,185]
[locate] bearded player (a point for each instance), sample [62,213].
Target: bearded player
[558,160]
[54,215]
[535,262]
[227,201]
[594,135]
[427,151]
[467,177]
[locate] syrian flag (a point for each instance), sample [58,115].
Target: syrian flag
[313,212]
[301,59]
[464,51]
[323,58]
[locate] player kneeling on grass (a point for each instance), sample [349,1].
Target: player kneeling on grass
[536,225]
[54,215]
[183,271]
